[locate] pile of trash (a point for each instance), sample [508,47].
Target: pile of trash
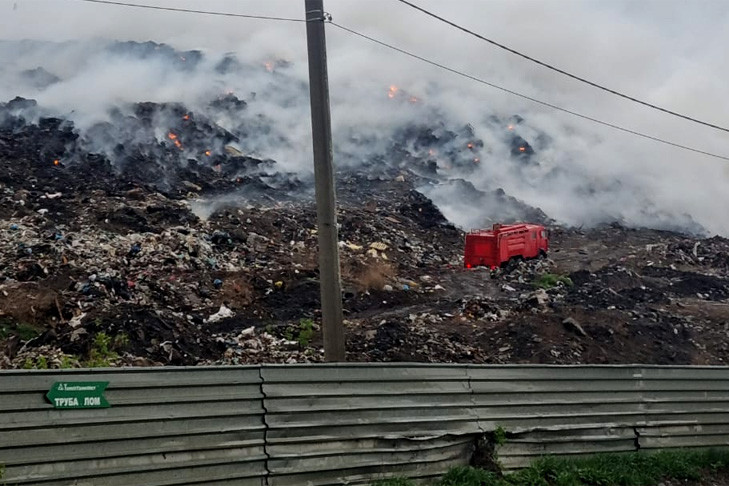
[182,250]
[90,251]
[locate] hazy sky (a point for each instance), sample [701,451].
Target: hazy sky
[670,53]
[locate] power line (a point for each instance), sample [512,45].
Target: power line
[415,56]
[561,71]
[526,97]
[186,10]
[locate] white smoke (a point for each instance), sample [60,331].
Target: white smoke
[667,52]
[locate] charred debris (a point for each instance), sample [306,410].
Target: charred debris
[156,237]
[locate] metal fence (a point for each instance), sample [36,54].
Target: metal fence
[164,427]
[344,424]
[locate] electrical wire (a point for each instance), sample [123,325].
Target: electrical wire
[327,18]
[526,97]
[186,10]
[561,71]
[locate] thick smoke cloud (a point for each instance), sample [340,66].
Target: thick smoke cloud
[667,52]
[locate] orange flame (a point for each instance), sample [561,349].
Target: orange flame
[522,149]
[393,91]
[510,127]
[207,152]
[186,117]
[56,162]
[470,145]
[173,137]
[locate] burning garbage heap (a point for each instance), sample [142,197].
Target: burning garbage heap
[156,237]
[104,260]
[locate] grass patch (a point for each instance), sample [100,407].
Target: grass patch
[549,280]
[306,332]
[499,436]
[61,361]
[302,333]
[37,363]
[634,469]
[468,476]
[630,469]
[103,350]
[394,482]
[25,332]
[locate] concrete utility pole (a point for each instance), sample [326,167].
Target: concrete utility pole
[329,277]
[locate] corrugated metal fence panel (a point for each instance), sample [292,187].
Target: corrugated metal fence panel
[348,423]
[166,426]
[685,407]
[345,423]
[561,410]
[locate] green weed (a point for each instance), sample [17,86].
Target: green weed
[120,341]
[38,363]
[499,436]
[102,354]
[469,476]
[302,333]
[306,332]
[69,361]
[42,363]
[549,280]
[5,329]
[393,482]
[25,332]
[626,469]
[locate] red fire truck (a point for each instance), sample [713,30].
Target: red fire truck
[495,247]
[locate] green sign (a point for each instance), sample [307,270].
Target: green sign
[78,394]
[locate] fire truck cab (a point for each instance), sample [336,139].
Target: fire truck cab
[496,246]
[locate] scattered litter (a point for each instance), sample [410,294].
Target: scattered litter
[222,313]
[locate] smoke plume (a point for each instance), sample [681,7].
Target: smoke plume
[492,155]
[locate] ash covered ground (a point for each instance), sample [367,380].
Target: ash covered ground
[157,238]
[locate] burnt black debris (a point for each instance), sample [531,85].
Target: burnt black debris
[157,237]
